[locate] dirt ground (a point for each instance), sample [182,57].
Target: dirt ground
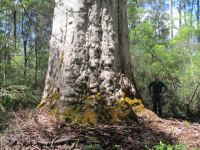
[32,130]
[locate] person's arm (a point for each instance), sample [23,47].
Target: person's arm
[165,88]
[149,87]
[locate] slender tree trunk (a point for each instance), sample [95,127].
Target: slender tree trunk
[24,37]
[36,63]
[5,52]
[4,71]
[185,14]
[15,27]
[180,13]
[171,18]
[25,58]
[192,66]
[89,53]
[198,13]
[191,12]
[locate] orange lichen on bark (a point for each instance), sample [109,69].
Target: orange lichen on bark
[135,104]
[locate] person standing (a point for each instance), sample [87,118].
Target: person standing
[156,89]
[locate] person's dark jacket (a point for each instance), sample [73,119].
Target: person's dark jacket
[156,87]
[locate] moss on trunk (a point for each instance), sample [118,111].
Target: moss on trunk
[94,110]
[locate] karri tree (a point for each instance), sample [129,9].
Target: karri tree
[89,65]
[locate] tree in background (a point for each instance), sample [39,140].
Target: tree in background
[25,31]
[175,59]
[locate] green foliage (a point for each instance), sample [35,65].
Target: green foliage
[117,147]
[16,97]
[4,117]
[31,24]
[175,59]
[163,146]
[93,144]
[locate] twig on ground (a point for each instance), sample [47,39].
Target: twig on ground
[18,124]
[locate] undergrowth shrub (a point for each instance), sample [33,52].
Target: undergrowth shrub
[163,146]
[93,144]
[17,96]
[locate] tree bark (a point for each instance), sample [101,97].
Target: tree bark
[24,37]
[197,15]
[191,12]
[185,10]
[36,63]
[89,53]
[171,18]
[180,13]
[15,28]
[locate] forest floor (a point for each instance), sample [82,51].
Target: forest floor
[26,131]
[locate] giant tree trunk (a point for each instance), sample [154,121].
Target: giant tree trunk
[89,54]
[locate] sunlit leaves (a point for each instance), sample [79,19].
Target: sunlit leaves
[176,60]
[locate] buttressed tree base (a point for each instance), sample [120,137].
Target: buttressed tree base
[89,70]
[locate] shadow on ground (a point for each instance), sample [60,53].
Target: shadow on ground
[4,118]
[28,133]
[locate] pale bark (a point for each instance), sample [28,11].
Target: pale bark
[197,15]
[180,13]
[185,14]
[171,18]
[89,51]
[36,63]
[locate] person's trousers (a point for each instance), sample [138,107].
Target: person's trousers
[157,104]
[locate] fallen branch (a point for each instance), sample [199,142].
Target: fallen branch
[65,140]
